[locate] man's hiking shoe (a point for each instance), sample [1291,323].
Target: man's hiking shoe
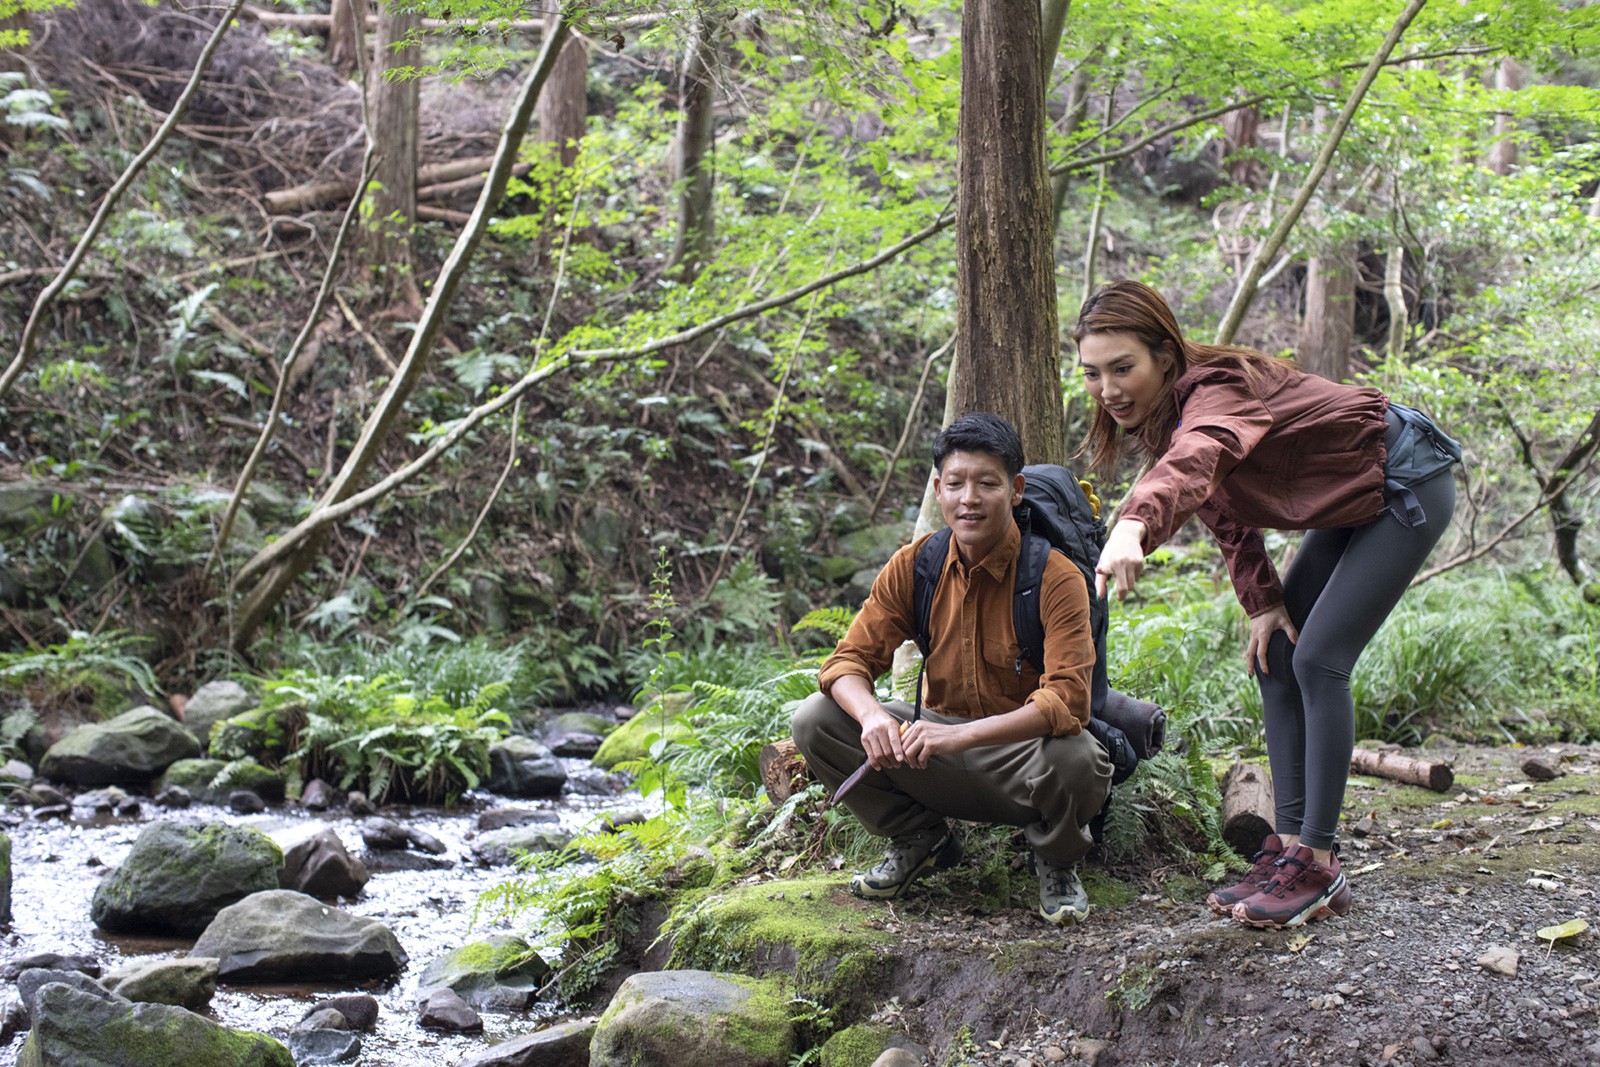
[908,858]
[1302,890]
[1061,896]
[1263,865]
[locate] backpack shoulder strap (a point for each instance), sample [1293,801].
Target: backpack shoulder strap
[929,569]
[1031,560]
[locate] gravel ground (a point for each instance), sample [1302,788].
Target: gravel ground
[1440,961]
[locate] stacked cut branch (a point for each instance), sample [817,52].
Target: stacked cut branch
[436,181]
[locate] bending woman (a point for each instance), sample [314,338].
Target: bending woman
[1247,441]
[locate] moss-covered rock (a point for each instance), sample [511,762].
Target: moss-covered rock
[5,878]
[212,703]
[858,1046]
[71,1026]
[193,775]
[695,1019]
[131,749]
[177,878]
[261,734]
[632,739]
[808,928]
[498,974]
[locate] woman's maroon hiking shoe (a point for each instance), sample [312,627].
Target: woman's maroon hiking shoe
[1263,865]
[1302,890]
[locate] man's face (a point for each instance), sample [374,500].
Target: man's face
[976,496]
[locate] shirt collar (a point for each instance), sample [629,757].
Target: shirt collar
[997,562]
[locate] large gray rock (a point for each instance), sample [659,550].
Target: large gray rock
[498,848]
[287,936]
[194,776]
[445,1010]
[77,1028]
[563,1045]
[499,973]
[188,983]
[692,1019]
[522,767]
[319,865]
[132,749]
[212,703]
[177,878]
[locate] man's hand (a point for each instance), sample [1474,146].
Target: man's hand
[1122,560]
[924,740]
[881,739]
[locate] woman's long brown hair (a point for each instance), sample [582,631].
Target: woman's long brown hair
[1134,308]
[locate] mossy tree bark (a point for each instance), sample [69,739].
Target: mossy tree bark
[1328,328]
[347,34]
[1009,360]
[563,106]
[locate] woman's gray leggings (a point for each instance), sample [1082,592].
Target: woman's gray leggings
[1339,589]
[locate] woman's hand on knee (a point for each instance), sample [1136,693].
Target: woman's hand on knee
[1262,627]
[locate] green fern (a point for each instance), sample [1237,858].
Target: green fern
[833,622]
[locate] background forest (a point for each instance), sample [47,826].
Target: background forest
[584,352]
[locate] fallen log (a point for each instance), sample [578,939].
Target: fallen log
[783,770]
[1397,768]
[1247,807]
[435,181]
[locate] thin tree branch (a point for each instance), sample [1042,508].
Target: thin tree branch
[48,296]
[1245,294]
[772,429]
[280,394]
[912,413]
[483,513]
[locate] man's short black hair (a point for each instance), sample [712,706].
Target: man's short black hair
[981,431]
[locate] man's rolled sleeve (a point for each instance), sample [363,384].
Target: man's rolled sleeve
[882,625]
[1063,693]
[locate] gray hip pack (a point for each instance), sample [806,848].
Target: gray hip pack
[1418,450]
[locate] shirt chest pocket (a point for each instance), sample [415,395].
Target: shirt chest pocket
[1003,664]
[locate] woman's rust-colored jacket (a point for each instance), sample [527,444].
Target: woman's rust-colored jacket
[1282,450]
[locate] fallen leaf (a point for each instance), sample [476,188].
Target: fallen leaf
[1363,870]
[1568,929]
[1440,825]
[1300,941]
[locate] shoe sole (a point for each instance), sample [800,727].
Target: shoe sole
[1337,902]
[1067,917]
[940,859]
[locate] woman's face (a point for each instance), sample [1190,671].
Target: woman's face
[1123,375]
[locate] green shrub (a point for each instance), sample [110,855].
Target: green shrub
[90,675]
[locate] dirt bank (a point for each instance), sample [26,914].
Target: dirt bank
[1440,881]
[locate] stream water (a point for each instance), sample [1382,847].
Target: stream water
[57,864]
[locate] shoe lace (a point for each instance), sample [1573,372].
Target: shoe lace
[1060,881]
[1290,871]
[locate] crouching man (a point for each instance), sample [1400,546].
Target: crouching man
[996,741]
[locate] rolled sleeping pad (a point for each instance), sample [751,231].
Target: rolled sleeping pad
[1143,722]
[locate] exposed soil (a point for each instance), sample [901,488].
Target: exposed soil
[1439,880]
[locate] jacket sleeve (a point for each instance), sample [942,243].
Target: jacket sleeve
[1223,420]
[1255,580]
[1063,693]
[882,625]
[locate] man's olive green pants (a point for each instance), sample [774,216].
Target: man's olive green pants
[1051,786]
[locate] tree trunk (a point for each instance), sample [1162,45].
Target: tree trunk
[1394,295]
[1241,132]
[347,35]
[394,103]
[696,171]
[1009,352]
[1328,328]
[563,106]
[1503,152]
